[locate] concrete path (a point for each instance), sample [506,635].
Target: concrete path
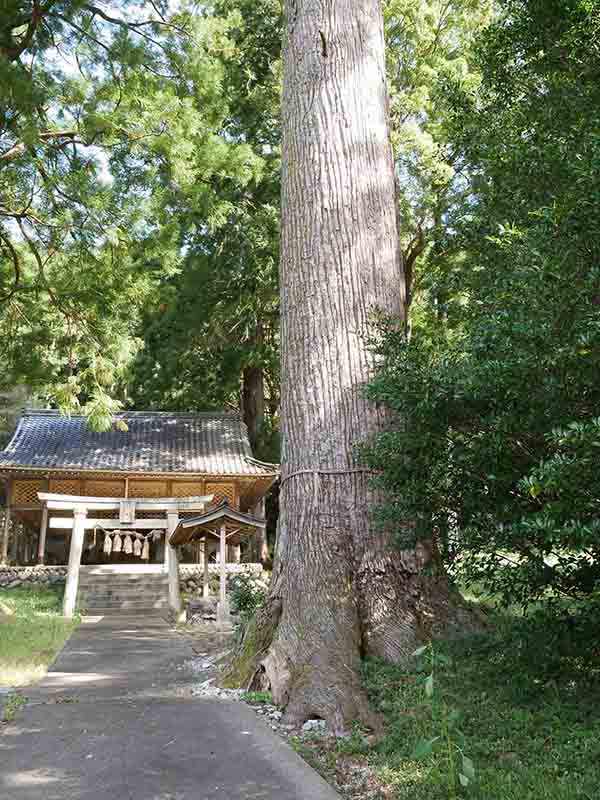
[114,720]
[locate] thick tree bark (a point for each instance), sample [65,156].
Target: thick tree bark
[340,589]
[253,403]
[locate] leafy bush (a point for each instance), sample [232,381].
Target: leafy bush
[247,593]
[497,392]
[529,736]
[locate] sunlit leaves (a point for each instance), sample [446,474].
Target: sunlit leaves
[122,155]
[498,389]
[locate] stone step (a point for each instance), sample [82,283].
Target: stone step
[134,587]
[92,596]
[124,587]
[125,606]
[121,598]
[122,592]
[116,612]
[137,587]
[119,578]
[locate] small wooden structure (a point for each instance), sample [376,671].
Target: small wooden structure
[228,526]
[148,474]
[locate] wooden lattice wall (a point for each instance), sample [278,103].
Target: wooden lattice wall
[104,488]
[25,492]
[222,491]
[186,489]
[65,486]
[148,489]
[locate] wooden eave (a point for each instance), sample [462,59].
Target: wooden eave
[37,472]
[209,523]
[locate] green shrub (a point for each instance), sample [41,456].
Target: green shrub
[247,593]
[497,393]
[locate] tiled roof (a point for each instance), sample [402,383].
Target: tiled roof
[155,442]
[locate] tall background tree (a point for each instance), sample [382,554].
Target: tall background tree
[214,338]
[428,44]
[115,146]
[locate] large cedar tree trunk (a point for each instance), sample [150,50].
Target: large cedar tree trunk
[340,589]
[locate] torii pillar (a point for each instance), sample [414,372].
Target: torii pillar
[75,550]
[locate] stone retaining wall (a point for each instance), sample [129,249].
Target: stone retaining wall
[190,575]
[11,577]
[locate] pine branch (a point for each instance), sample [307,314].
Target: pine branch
[38,12]
[47,136]
[7,247]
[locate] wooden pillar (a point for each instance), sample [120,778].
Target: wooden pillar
[5,534]
[223,613]
[206,576]
[262,548]
[41,551]
[222,564]
[6,527]
[172,564]
[16,540]
[72,584]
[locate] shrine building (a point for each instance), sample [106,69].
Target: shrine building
[129,504]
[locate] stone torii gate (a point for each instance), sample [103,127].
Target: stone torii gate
[167,518]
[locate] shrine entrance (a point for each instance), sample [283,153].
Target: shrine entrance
[160,461]
[129,530]
[103,546]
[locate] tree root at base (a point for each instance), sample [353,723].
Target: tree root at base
[257,639]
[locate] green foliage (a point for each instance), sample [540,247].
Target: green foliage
[12,706]
[219,317]
[118,158]
[257,698]
[444,724]
[356,743]
[247,593]
[530,736]
[497,390]
[427,43]
[554,642]
[31,637]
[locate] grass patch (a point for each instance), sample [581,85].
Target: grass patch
[323,764]
[31,637]
[530,735]
[257,697]
[11,707]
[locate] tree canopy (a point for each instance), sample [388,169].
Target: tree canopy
[498,386]
[119,158]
